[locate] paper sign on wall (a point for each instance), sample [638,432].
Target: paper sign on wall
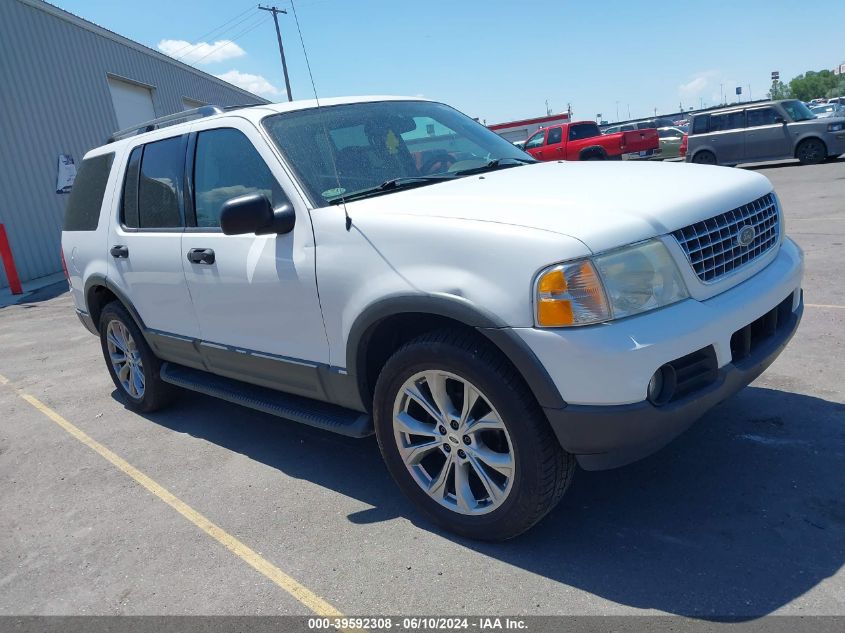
[66,174]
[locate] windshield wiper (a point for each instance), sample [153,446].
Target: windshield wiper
[496,163]
[389,185]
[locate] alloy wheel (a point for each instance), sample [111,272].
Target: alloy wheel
[125,358]
[453,442]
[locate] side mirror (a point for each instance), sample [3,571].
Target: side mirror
[253,213]
[780,119]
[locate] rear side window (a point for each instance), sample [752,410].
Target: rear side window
[227,165]
[727,121]
[129,201]
[699,124]
[160,184]
[554,136]
[583,130]
[761,116]
[86,197]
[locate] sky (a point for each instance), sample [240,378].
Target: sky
[496,60]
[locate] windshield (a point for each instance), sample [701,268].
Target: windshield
[370,144]
[797,111]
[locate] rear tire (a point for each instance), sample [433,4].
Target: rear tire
[530,470]
[811,151]
[704,157]
[133,367]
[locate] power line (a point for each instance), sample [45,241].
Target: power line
[214,30]
[231,40]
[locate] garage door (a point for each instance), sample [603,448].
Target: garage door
[133,103]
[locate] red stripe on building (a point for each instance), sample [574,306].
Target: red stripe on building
[542,119]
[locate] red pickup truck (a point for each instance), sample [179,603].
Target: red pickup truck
[582,140]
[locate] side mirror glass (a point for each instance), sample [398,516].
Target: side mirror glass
[253,213]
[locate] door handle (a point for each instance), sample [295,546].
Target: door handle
[119,252]
[201,256]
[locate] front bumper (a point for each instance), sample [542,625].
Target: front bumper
[835,142]
[602,371]
[610,436]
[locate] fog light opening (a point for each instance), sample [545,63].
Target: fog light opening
[661,387]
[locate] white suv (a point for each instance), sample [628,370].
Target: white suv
[390,265]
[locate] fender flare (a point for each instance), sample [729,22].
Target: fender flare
[463,311]
[807,137]
[593,148]
[98,279]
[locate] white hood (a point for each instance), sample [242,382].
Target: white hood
[602,204]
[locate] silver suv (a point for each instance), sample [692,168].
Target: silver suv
[764,131]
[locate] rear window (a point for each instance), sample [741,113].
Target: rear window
[86,197]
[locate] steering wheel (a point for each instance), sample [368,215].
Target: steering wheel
[442,158]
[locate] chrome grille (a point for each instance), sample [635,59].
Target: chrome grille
[712,245]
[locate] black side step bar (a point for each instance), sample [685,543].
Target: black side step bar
[322,415]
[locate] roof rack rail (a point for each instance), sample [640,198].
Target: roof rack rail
[170,119]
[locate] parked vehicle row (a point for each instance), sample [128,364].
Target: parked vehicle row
[828,110]
[582,140]
[389,265]
[764,131]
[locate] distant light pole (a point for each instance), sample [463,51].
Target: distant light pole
[617,111]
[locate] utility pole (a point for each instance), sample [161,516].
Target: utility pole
[276,13]
[617,111]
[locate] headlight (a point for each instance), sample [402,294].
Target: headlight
[836,127]
[616,284]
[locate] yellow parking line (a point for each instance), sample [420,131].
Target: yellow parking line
[245,553]
[823,305]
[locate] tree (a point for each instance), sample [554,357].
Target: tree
[838,89]
[780,91]
[812,84]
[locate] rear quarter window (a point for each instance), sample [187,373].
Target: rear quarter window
[700,124]
[86,197]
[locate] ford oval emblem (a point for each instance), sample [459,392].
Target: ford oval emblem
[746,235]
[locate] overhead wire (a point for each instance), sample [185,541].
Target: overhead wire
[225,26]
[233,39]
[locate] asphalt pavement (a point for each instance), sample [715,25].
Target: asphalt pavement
[743,515]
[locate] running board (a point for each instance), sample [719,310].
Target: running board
[321,415]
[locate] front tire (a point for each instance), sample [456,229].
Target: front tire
[465,440]
[132,365]
[811,151]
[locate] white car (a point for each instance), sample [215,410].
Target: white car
[389,265]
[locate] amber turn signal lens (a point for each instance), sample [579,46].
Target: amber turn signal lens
[570,294]
[553,282]
[554,312]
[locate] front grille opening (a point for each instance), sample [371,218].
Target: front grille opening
[712,246]
[747,339]
[694,372]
